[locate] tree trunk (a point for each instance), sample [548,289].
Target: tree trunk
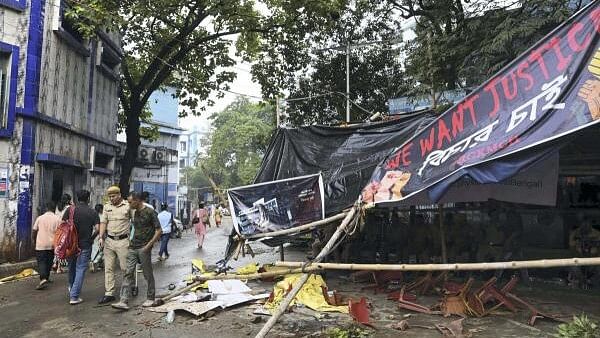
[132,131]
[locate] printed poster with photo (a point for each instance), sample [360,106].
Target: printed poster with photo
[277,205]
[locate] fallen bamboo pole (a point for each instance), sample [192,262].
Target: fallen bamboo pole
[532,264]
[198,280]
[290,296]
[257,275]
[315,224]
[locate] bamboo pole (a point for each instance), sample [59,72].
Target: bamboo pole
[290,296]
[311,225]
[198,280]
[531,264]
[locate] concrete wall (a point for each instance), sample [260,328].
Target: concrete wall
[14,29]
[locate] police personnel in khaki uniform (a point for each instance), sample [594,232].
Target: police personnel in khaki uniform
[115,224]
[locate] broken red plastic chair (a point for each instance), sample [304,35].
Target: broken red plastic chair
[360,311]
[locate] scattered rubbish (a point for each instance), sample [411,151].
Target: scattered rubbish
[198,266]
[229,300]
[256,320]
[23,274]
[401,325]
[382,279]
[170,317]
[261,310]
[310,295]
[333,297]
[197,308]
[452,329]
[360,311]
[191,297]
[427,283]
[171,287]
[233,286]
[248,269]
[535,313]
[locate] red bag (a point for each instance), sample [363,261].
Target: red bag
[66,238]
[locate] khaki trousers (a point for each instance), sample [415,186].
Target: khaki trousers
[114,251]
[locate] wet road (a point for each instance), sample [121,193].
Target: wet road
[30,313]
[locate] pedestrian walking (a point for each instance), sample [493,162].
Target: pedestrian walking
[218,216]
[166,222]
[114,223]
[97,254]
[43,235]
[86,220]
[199,221]
[146,231]
[63,204]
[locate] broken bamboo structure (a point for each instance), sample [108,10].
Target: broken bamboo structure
[298,285]
[199,280]
[531,264]
[300,228]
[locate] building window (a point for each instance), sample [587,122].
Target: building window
[5,66]
[109,56]
[183,145]
[182,163]
[67,31]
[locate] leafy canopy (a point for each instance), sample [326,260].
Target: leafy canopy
[238,142]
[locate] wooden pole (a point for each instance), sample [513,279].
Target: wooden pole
[281,253]
[290,296]
[315,224]
[532,264]
[443,234]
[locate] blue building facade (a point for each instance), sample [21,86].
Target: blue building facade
[58,109]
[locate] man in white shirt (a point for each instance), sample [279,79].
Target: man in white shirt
[166,220]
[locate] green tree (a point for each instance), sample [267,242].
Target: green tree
[186,44]
[376,71]
[462,43]
[238,142]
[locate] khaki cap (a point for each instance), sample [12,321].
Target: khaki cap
[113,190]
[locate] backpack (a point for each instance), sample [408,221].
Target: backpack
[66,238]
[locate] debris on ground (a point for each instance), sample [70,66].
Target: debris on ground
[360,311]
[401,325]
[452,329]
[310,295]
[197,308]
[23,274]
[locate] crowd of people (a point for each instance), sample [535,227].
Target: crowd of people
[126,231]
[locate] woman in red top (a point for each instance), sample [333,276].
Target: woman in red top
[199,221]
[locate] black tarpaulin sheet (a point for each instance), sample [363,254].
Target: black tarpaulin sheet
[346,156]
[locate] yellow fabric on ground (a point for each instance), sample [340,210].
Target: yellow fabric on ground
[311,294]
[248,269]
[25,273]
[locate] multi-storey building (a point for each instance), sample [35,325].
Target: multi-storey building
[58,112]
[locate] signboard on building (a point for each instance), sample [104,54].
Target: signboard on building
[277,205]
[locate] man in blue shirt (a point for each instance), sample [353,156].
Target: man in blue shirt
[166,220]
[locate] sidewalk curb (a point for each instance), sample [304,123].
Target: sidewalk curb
[9,269]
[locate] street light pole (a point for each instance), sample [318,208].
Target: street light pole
[348,82]
[277,111]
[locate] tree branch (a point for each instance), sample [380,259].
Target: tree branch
[165,50]
[171,63]
[126,74]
